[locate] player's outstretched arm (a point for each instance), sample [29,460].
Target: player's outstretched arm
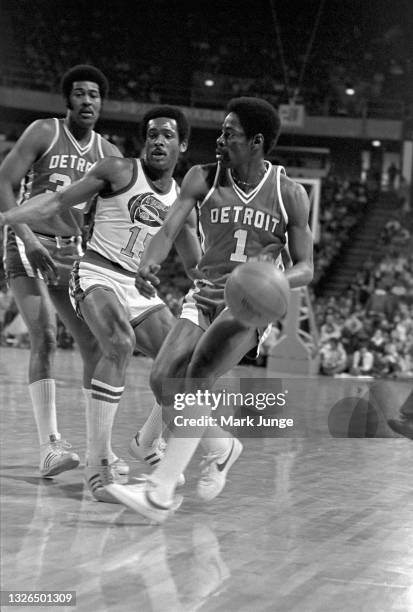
[300,240]
[45,206]
[193,188]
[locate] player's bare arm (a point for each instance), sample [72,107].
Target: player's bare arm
[193,188]
[300,240]
[109,149]
[109,174]
[188,246]
[31,145]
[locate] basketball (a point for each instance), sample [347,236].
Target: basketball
[257,293]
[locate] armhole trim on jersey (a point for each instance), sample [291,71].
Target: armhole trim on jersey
[100,149]
[54,139]
[214,184]
[110,194]
[281,169]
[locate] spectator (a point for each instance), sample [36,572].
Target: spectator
[351,332]
[333,357]
[329,329]
[363,361]
[392,172]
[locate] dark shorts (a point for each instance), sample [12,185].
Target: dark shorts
[64,252]
[203,303]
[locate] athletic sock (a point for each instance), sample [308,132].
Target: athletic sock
[88,397]
[166,475]
[100,415]
[43,396]
[152,428]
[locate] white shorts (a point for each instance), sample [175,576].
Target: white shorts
[87,277]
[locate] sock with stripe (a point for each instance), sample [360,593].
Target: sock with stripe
[100,414]
[87,393]
[152,428]
[43,396]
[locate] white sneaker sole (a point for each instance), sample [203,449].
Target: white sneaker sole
[70,463]
[136,499]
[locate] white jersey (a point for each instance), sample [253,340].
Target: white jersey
[127,219]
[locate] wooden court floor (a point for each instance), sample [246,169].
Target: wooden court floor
[311,521]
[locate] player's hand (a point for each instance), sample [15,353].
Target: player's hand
[41,261]
[146,280]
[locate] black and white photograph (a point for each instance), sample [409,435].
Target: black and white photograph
[206,305]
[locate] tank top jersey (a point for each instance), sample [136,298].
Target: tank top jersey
[236,226]
[64,162]
[127,219]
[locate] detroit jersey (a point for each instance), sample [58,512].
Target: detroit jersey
[236,226]
[127,219]
[64,162]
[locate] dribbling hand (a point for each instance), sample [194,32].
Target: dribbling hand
[146,280]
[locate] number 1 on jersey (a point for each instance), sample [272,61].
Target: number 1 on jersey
[239,254]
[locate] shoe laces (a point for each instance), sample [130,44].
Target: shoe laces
[207,462]
[57,445]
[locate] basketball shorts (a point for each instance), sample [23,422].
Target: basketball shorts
[205,301]
[63,251]
[87,277]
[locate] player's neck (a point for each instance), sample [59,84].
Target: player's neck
[160,179]
[81,134]
[249,177]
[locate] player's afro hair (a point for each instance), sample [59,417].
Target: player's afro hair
[173,112]
[257,116]
[84,72]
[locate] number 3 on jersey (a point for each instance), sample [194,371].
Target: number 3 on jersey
[61,181]
[238,254]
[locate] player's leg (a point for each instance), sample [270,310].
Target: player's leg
[85,340]
[219,349]
[222,346]
[107,319]
[90,352]
[33,301]
[177,339]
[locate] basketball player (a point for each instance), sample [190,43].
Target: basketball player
[247,208]
[133,198]
[50,155]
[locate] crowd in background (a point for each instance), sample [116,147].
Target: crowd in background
[368,330]
[343,204]
[342,75]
